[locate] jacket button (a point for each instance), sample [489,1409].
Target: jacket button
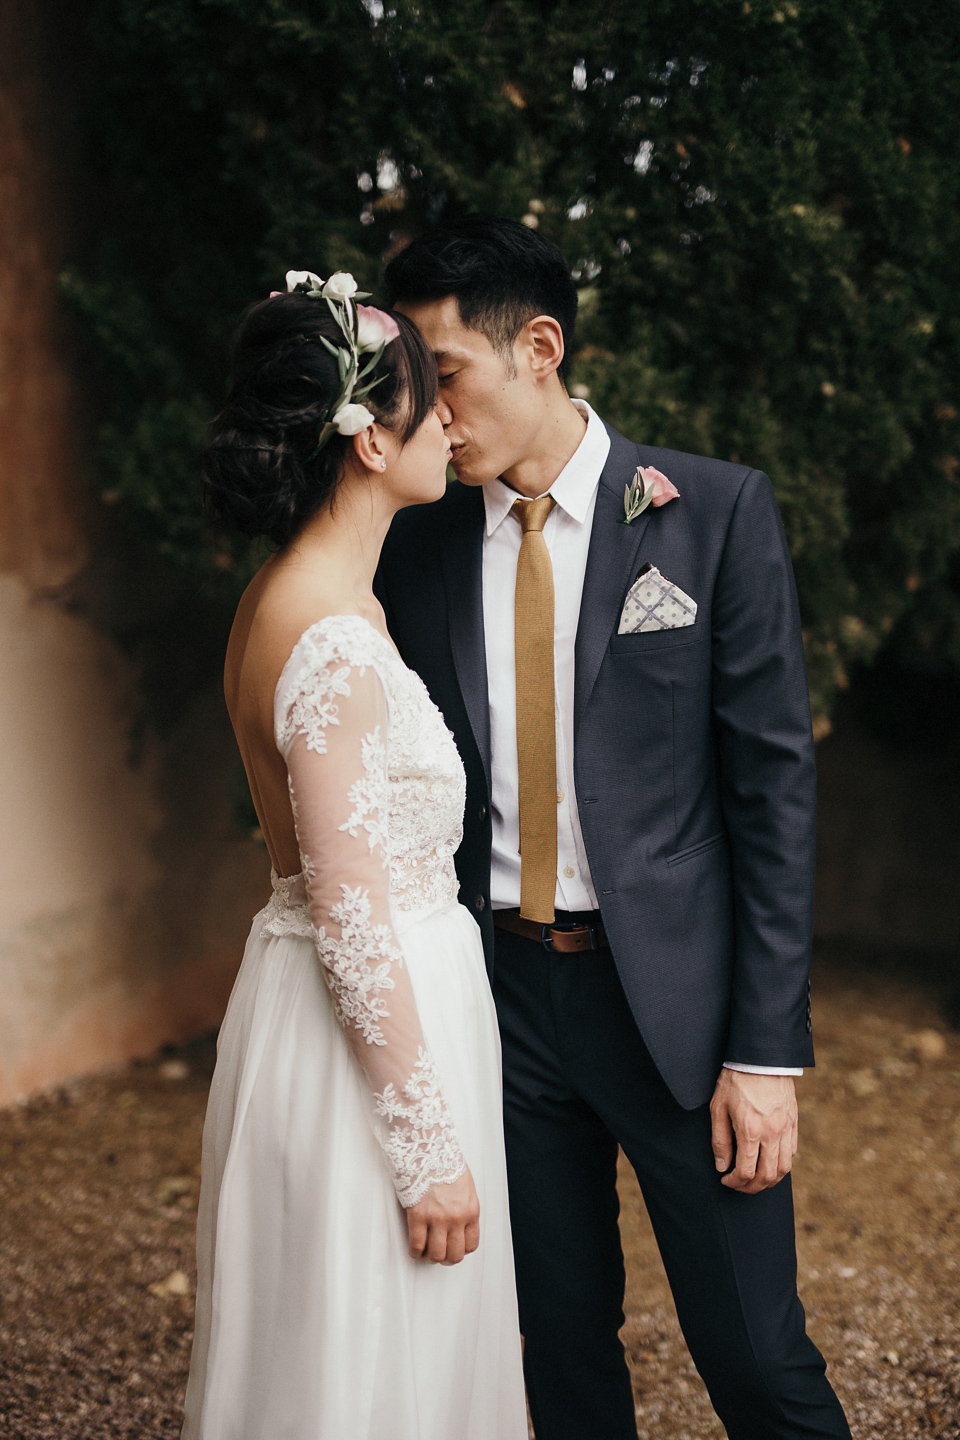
[479,903]
[483,813]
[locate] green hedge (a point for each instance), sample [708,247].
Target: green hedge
[759,201]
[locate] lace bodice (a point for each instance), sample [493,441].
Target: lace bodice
[377,791]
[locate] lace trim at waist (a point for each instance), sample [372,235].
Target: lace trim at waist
[286,913]
[276,920]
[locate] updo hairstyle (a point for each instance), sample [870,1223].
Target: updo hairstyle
[261,473]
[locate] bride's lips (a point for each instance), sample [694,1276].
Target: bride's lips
[455,450]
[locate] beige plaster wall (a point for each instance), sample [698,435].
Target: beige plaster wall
[122,914]
[125,890]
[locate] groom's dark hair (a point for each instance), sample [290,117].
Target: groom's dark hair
[501,273]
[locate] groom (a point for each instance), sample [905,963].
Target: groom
[629,700]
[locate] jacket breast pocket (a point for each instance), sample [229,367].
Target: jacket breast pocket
[645,640]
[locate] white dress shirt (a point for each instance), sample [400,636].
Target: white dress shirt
[567,537]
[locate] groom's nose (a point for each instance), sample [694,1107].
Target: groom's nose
[444,411]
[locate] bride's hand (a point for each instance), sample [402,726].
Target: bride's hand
[445,1225]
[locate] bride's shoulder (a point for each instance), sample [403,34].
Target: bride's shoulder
[340,636]
[283,630]
[338,659]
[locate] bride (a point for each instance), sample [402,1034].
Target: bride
[355,1267]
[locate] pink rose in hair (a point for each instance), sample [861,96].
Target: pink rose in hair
[374,328]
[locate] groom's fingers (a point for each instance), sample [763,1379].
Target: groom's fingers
[745,1170]
[768,1164]
[774,1161]
[722,1137]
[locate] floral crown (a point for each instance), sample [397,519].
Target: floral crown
[366,331]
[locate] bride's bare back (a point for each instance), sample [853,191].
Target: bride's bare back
[285,597]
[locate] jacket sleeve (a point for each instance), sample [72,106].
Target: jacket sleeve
[768,782]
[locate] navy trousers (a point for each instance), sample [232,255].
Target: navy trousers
[578,1081]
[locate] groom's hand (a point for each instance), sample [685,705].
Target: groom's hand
[445,1225]
[754,1118]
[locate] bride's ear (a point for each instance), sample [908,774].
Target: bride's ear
[369,448]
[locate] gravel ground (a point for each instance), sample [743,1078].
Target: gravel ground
[98,1189]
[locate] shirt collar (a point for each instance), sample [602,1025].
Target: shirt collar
[574,486]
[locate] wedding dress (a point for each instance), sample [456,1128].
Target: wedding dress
[357,1065]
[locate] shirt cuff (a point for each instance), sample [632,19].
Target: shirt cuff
[760,1069]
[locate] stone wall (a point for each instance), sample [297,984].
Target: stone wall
[125,888]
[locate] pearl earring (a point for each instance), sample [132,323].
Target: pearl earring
[383,464]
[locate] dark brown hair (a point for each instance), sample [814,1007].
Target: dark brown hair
[261,471]
[501,273]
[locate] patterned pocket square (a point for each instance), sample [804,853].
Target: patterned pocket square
[654,603]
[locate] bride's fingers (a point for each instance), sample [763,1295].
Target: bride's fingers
[437,1243]
[471,1236]
[456,1247]
[416,1235]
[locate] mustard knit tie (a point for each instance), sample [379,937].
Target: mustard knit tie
[536,719]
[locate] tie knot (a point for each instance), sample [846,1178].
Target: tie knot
[532,514]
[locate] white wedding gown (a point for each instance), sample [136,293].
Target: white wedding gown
[357,1065]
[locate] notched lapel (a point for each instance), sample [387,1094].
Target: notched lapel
[462,561]
[610,568]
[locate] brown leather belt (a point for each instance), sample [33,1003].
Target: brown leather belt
[565,936]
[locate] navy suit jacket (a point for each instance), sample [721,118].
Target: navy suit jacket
[693,752]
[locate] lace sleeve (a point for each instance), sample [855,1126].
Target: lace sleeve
[332,728]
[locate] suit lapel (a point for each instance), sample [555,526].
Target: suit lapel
[610,569]
[462,557]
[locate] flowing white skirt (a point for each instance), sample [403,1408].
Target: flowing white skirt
[313,1323]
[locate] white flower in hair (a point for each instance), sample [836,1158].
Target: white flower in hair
[340,286]
[366,331]
[352,419]
[303,277]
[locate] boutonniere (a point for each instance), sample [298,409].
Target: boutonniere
[648,487]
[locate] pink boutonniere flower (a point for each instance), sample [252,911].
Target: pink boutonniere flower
[648,487]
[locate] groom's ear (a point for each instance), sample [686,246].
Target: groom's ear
[541,342]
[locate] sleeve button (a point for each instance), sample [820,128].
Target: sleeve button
[479,903]
[482,813]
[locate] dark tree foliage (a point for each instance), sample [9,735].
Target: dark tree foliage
[759,200]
